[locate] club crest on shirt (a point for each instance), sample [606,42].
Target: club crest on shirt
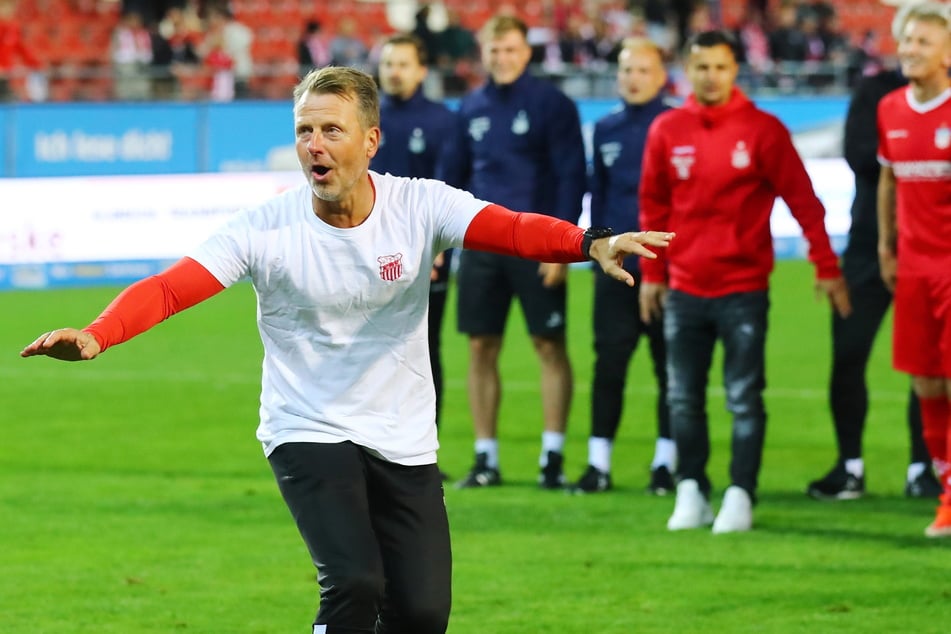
[478,126]
[942,137]
[741,156]
[391,267]
[520,123]
[610,152]
[682,159]
[417,141]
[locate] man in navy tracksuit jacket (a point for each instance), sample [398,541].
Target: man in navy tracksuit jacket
[518,144]
[414,141]
[618,146]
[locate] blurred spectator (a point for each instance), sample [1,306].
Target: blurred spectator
[151,11]
[787,43]
[313,49]
[575,43]
[221,66]
[346,49]
[754,41]
[657,16]
[13,49]
[815,45]
[426,35]
[131,52]
[181,28]
[754,51]
[836,44]
[458,55]
[230,39]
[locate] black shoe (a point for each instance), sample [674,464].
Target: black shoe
[837,485]
[924,486]
[552,476]
[481,474]
[593,480]
[662,482]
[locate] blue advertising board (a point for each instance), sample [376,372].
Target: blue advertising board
[6,147]
[101,139]
[249,136]
[166,138]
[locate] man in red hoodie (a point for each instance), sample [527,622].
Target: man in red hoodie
[712,171]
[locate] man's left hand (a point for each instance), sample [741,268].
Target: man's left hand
[837,291]
[610,252]
[553,274]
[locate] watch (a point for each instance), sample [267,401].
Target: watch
[590,235]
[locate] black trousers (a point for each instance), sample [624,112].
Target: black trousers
[376,531]
[692,326]
[617,331]
[852,340]
[438,290]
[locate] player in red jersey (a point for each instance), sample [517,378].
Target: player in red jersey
[914,218]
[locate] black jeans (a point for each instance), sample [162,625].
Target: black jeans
[377,533]
[852,340]
[438,291]
[617,331]
[692,326]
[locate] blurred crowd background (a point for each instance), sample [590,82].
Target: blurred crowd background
[192,50]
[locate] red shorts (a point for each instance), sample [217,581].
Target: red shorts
[921,337]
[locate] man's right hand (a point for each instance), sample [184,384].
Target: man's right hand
[66,344]
[653,296]
[888,265]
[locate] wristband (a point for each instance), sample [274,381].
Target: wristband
[590,235]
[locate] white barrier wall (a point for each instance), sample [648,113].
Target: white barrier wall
[98,230]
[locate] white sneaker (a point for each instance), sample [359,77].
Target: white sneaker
[691,510]
[736,512]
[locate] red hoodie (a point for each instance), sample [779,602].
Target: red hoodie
[712,174]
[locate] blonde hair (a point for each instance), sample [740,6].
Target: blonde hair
[345,82]
[499,25]
[935,12]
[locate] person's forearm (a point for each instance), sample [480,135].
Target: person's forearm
[152,300]
[526,235]
[887,226]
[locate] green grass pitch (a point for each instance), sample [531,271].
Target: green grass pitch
[135,499]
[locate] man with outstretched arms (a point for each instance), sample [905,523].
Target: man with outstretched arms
[341,267]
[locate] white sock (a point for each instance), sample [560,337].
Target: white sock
[599,453]
[665,454]
[490,447]
[915,469]
[855,466]
[551,441]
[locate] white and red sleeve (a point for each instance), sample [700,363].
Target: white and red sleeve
[153,300]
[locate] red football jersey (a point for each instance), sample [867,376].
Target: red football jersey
[914,139]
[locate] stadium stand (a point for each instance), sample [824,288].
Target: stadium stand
[72,37]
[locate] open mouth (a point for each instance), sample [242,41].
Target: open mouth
[320,170]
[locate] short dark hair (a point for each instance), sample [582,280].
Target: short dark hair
[709,39]
[404,39]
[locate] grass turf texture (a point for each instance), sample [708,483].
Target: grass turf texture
[134,498]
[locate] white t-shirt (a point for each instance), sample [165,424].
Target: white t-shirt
[343,313]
